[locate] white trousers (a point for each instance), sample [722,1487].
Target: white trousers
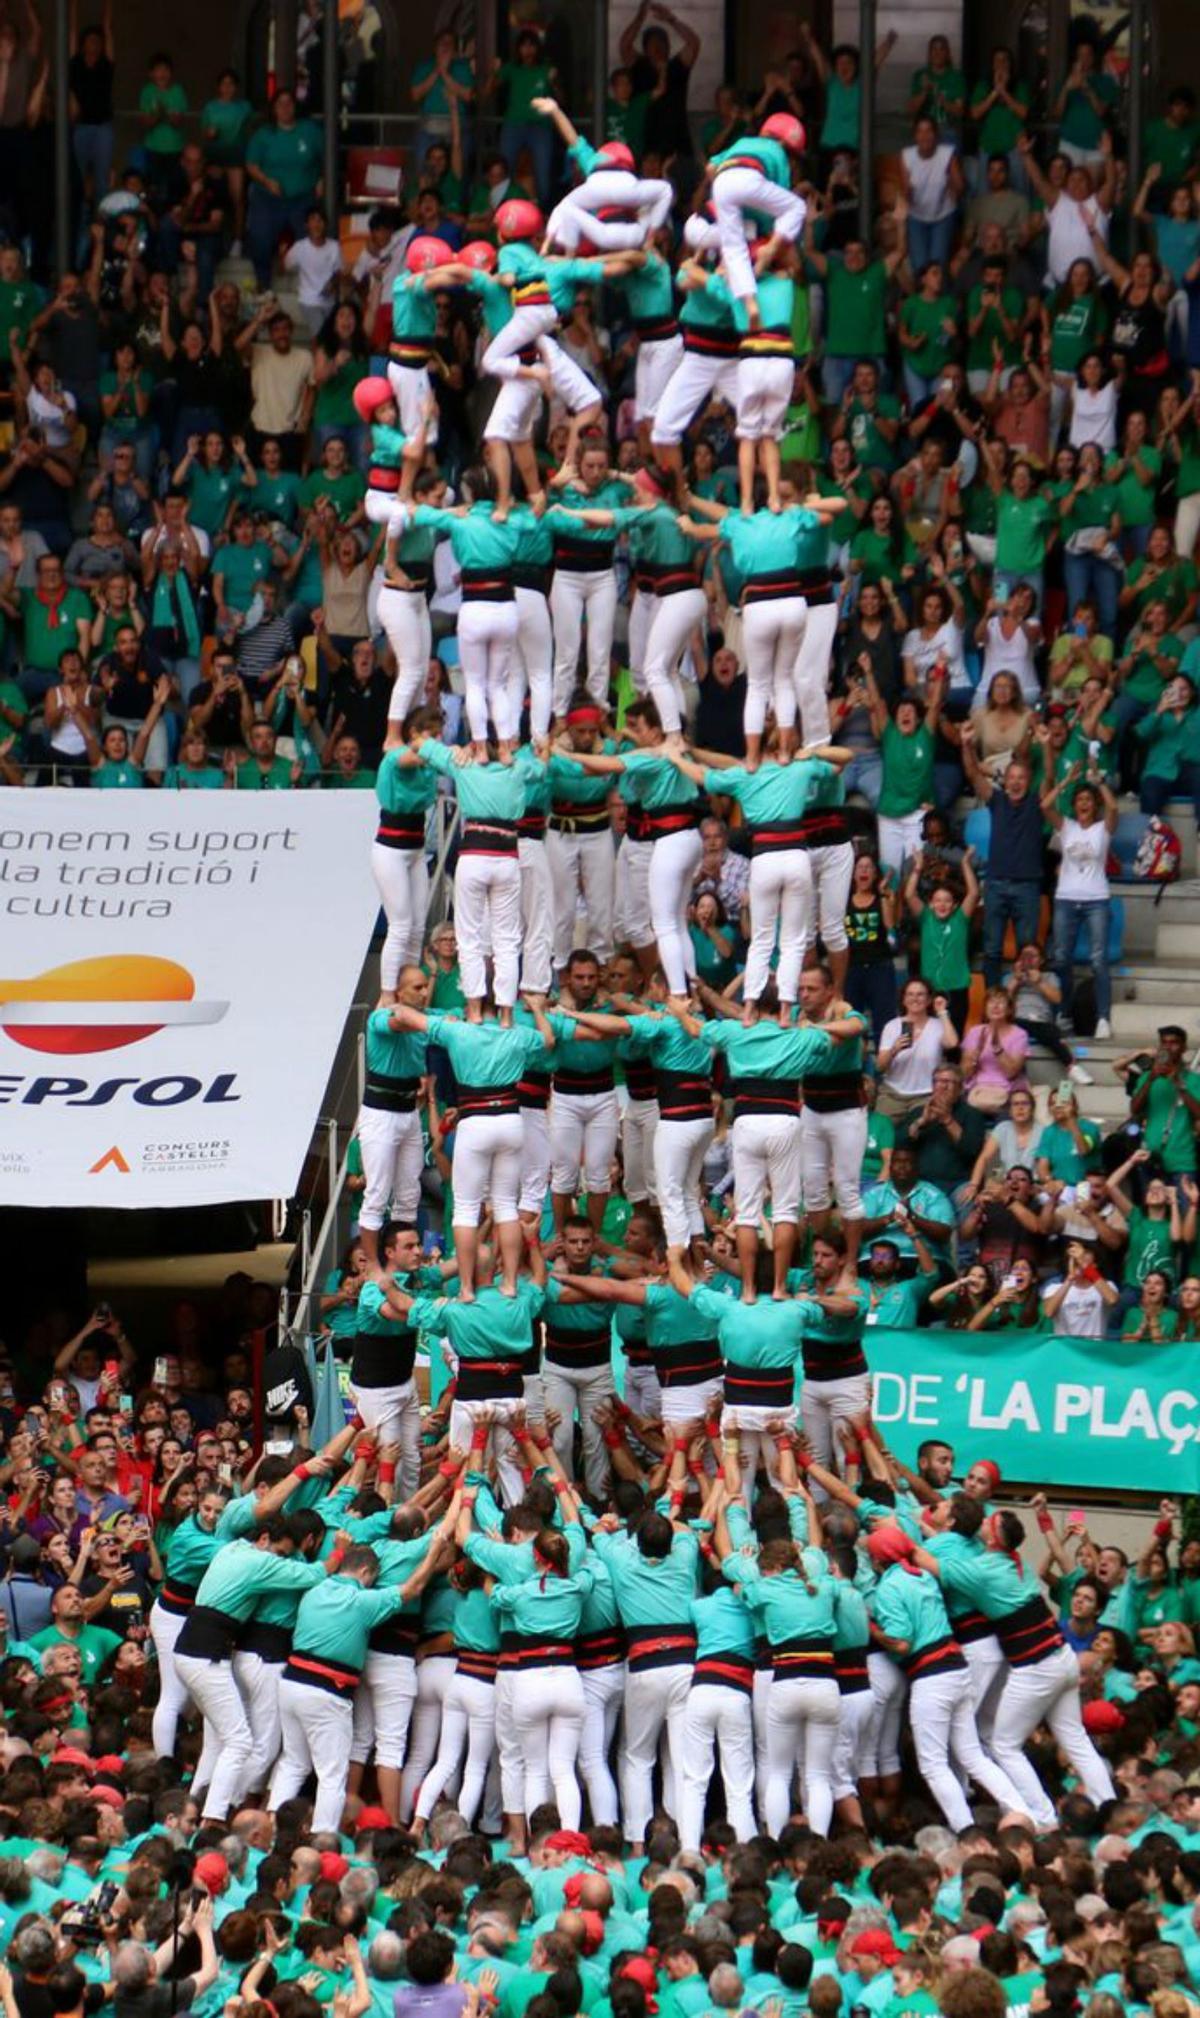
[689,1402]
[258,1683]
[402,879]
[534,659]
[535,1161]
[834,1145]
[640,615]
[772,633]
[1046,1692]
[584,1142]
[679,1151]
[851,1754]
[488,1154]
[736,190]
[758,1446]
[487,640]
[824,1405]
[766,1157]
[383,508]
[575,217]
[672,626]
[404,614]
[393,1157]
[316,1730]
[468,1739]
[764,388]
[165,1628]
[434,1676]
[393,1415]
[802,1729]
[413,389]
[946,1739]
[582,864]
[639,1134]
[584,1389]
[548,1712]
[899,838]
[717,1719]
[500,1445]
[832,870]
[656,361]
[695,381]
[211,1686]
[537,917]
[570,383]
[576,593]
[643,1392]
[810,672]
[987,1666]
[487,915]
[502,358]
[633,874]
[383,1705]
[514,411]
[888,1693]
[655,1698]
[508,1745]
[603,1699]
[781,901]
[673,864]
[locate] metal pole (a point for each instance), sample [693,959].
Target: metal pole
[866,127]
[1137,90]
[331,97]
[62,140]
[600,67]
[285,45]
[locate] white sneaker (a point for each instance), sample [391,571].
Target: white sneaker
[1103,1028]
[1080,1075]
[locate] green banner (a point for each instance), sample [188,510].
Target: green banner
[1050,1411]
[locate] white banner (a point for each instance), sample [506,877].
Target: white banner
[175,972]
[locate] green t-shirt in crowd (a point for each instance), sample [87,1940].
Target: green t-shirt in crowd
[907,771]
[855,307]
[162,137]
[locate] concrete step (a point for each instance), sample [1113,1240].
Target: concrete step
[1170,987]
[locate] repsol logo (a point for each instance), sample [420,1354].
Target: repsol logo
[174,1089]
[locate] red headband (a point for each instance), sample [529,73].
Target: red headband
[652,480]
[989,1465]
[585,714]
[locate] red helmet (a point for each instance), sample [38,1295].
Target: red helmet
[518,218]
[785,127]
[615,154]
[425,253]
[481,254]
[369,394]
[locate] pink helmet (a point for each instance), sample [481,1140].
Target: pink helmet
[425,253]
[481,254]
[786,128]
[615,154]
[518,218]
[370,394]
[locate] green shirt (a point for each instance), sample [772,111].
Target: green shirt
[1170,1132]
[523,83]
[250,776]
[1134,499]
[991,330]
[1074,330]
[183,778]
[842,114]
[225,121]
[276,494]
[334,402]
[1171,583]
[124,418]
[93,1642]
[1171,147]
[345,492]
[162,137]
[123,777]
[1081,124]
[855,305]
[928,319]
[942,89]
[1064,1158]
[627,122]
[290,156]
[1021,527]
[871,447]
[1150,1244]
[945,950]
[211,492]
[242,569]
[49,631]
[907,771]
[1000,129]
[20,301]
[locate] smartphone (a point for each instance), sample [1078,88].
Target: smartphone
[103,1312]
[906,1026]
[1009,1282]
[112,1369]
[277,1446]
[125,1404]
[160,1373]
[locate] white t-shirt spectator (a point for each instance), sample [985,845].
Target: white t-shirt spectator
[929,181]
[1004,654]
[57,426]
[946,643]
[1094,416]
[1082,1312]
[1070,237]
[911,1071]
[318,267]
[1083,877]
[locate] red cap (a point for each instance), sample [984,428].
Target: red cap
[518,218]
[573,1841]
[334,1865]
[70,1755]
[887,1545]
[785,127]
[372,1818]
[111,1763]
[875,1941]
[426,252]
[108,1797]
[615,154]
[1101,1717]
[212,1872]
[480,253]
[640,1969]
[370,394]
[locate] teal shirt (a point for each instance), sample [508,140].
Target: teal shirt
[774,543]
[774,792]
[669,1045]
[771,156]
[765,1051]
[477,541]
[191,1550]
[546,1606]
[476,1627]
[122,777]
[784,1604]
[651,1593]
[572,786]
[291,156]
[762,1334]
[405,788]
[241,1573]
[393,1054]
[911,1608]
[494,1326]
[336,1620]
[242,569]
[482,1054]
[414,310]
[649,290]
[723,1626]
[495,300]
[656,782]
[182,778]
[611,496]
[484,791]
